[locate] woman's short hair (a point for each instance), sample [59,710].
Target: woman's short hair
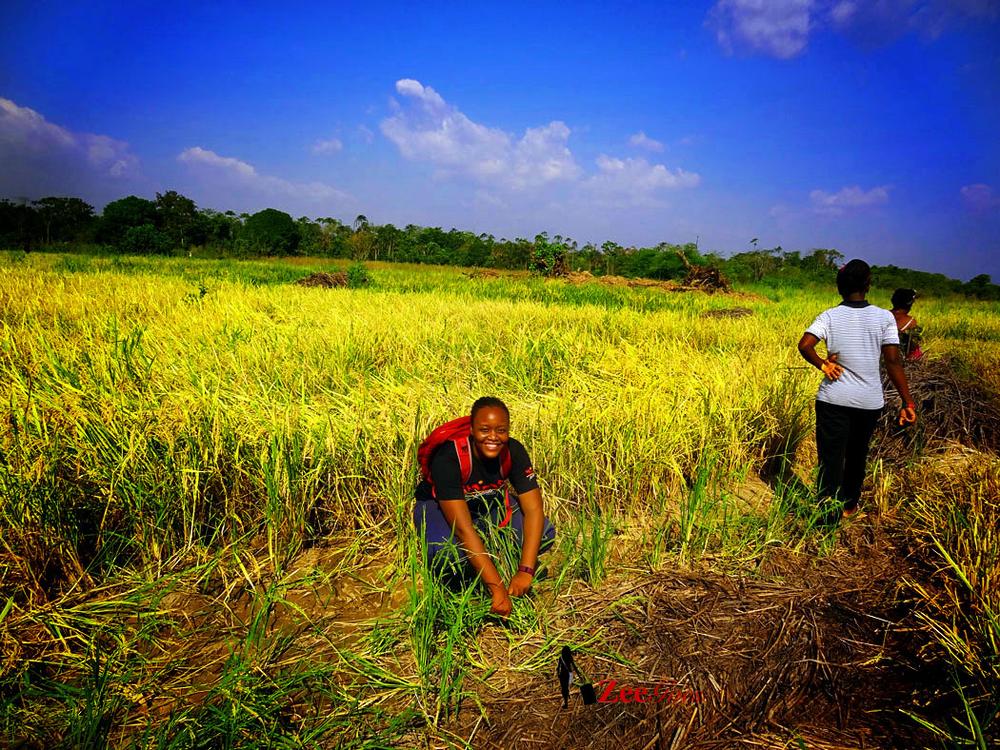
[488,402]
[902,299]
[854,277]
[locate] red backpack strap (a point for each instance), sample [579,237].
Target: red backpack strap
[463,447]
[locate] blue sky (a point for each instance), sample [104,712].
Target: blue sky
[871,127]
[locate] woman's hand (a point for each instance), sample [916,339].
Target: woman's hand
[502,604]
[907,415]
[520,584]
[831,369]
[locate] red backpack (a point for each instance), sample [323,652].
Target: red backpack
[458,432]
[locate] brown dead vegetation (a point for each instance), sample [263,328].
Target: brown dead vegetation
[698,279]
[728,312]
[953,406]
[814,650]
[482,273]
[324,280]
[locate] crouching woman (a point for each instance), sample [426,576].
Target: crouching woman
[464,496]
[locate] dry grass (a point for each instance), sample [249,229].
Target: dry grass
[207,487]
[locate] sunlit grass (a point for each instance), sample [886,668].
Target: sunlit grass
[193,424]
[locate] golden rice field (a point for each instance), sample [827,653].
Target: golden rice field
[207,477]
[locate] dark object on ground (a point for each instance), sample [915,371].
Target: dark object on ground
[324,280]
[568,672]
[565,673]
[728,312]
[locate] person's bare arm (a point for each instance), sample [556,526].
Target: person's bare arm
[534,521]
[456,513]
[829,366]
[894,368]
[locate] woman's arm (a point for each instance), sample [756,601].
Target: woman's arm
[829,367]
[894,368]
[456,513]
[534,521]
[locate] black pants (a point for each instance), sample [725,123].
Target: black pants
[842,437]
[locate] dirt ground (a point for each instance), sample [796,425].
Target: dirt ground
[817,651]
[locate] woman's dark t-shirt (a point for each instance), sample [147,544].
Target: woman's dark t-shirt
[485,488]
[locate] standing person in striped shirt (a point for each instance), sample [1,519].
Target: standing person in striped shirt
[850,398]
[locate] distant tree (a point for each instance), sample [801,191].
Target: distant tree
[754,265]
[64,219]
[360,222]
[386,242]
[145,240]
[361,244]
[220,228]
[121,215]
[19,224]
[311,239]
[270,232]
[335,236]
[612,254]
[178,219]
[823,258]
[982,286]
[548,257]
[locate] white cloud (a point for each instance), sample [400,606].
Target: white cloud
[366,134]
[778,28]
[26,134]
[781,28]
[327,146]
[980,197]
[847,199]
[636,180]
[842,12]
[641,140]
[426,128]
[242,174]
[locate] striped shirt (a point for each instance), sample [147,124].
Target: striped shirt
[856,333]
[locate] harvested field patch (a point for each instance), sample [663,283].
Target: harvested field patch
[953,406]
[728,312]
[324,280]
[819,650]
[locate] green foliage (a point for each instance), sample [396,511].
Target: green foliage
[179,221]
[121,215]
[312,240]
[270,232]
[144,240]
[64,219]
[212,234]
[19,225]
[982,287]
[357,275]
[548,258]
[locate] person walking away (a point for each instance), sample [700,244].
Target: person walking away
[909,332]
[850,398]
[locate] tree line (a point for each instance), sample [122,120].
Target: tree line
[174,224]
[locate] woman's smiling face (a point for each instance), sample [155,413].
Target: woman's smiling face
[490,431]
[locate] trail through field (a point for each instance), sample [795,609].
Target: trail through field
[819,650]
